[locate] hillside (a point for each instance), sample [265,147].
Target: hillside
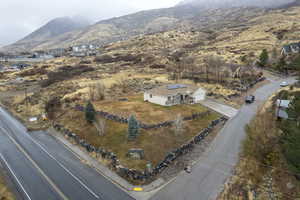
[50,30]
[236,3]
[188,15]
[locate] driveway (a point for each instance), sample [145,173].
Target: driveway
[223,109]
[216,165]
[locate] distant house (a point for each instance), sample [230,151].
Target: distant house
[281,108]
[57,52]
[170,95]
[290,49]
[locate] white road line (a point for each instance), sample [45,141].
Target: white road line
[61,165]
[61,194]
[14,175]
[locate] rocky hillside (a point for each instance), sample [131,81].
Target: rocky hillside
[236,3]
[50,30]
[186,16]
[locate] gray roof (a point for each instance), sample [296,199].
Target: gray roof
[170,90]
[287,48]
[283,103]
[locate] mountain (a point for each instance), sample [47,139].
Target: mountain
[236,3]
[189,14]
[50,30]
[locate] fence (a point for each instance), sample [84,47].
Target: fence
[137,175]
[142,125]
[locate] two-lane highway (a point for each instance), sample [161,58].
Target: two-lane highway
[42,168]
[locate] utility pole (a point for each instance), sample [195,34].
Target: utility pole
[26,100]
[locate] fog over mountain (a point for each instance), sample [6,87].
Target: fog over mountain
[22,17]
[235,3]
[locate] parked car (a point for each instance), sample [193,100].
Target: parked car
[250,99]
[284,84]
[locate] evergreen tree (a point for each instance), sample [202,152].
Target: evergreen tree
[263,58]
[90,112]
[291,137]
[133,128]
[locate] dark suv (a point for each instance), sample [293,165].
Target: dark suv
[250,99]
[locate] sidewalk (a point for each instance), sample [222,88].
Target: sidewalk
[107,173]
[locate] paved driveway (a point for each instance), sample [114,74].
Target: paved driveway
[223,109]
[215,166]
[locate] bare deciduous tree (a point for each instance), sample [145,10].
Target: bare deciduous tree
[100,91]
[178,125]
[97,91]
[100,125]
[215,63]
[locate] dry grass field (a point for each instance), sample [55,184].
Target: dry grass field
[145,111]
[156,143]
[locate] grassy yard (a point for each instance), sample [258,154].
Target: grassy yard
[145,111]
[156,143]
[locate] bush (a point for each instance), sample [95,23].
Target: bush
[104,59]
[32,72]
[51,106]
[65,73]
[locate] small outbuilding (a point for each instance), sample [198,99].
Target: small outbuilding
[170,95]
[282,107]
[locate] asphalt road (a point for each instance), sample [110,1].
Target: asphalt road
[215,166]
[42,168]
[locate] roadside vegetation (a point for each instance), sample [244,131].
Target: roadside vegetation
[5,193]
[270,164]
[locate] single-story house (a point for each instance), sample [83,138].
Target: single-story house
[170,95]
[281,108]
[290,48]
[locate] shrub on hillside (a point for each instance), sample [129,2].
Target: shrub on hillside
[65,73]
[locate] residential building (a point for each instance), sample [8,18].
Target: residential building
[170,95]
[281,108]
[290,49]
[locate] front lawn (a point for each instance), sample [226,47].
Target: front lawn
[156,143]
[147,112]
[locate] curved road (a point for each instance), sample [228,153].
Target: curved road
[41,168]
[215,166]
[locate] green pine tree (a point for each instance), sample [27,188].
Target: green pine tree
[264,58]
[90,112]
[133,128]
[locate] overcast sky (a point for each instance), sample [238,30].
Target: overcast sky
[21,17]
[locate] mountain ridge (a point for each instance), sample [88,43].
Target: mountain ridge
[184,16]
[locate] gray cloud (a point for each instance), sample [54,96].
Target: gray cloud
[20,17]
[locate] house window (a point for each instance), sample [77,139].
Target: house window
[150,95]
[169,98]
